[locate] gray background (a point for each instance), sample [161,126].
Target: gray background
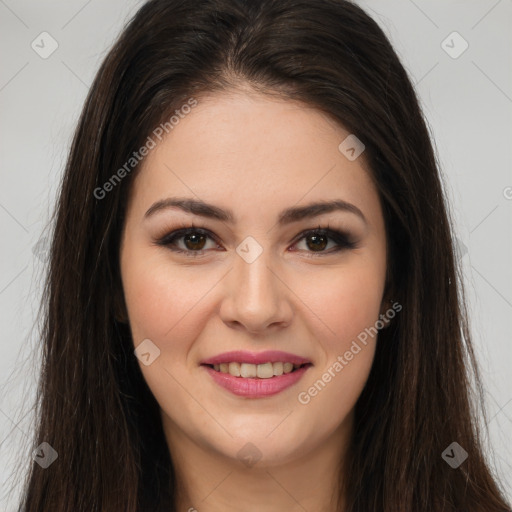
[467,101]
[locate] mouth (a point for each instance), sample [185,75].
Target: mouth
[256,375]
[268,370]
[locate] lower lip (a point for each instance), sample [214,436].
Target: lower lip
[256,388]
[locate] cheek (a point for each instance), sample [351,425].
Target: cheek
[164,303]
[347,304]
[345,301]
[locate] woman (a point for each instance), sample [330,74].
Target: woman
[252,301]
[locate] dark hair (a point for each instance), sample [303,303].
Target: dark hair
[94,406]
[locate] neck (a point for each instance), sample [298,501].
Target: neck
[209,481]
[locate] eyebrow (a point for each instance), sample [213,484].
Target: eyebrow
[293,214]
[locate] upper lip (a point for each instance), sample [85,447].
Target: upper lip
[268,356]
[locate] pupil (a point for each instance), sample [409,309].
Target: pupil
[316,238]
[191,241]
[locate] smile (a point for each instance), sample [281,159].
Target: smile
[261,371]
[256,375]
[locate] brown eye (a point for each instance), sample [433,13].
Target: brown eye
[194,241]
[318,242]
[190,241]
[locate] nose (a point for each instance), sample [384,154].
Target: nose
[256,297]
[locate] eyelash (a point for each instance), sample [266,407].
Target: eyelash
[341,239]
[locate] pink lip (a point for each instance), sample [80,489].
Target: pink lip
[256,388]
[269,356]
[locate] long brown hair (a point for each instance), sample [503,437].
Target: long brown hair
[94,407]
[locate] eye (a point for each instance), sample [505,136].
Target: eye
[194,239]
[317,241]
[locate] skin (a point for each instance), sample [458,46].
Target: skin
[256,156]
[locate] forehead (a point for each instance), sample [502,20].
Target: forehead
[250,150]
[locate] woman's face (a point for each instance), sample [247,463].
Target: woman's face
[253,282]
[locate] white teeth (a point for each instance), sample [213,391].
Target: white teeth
[248,370]
[234,369]
[262,371]
[278,369]
[265,371]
